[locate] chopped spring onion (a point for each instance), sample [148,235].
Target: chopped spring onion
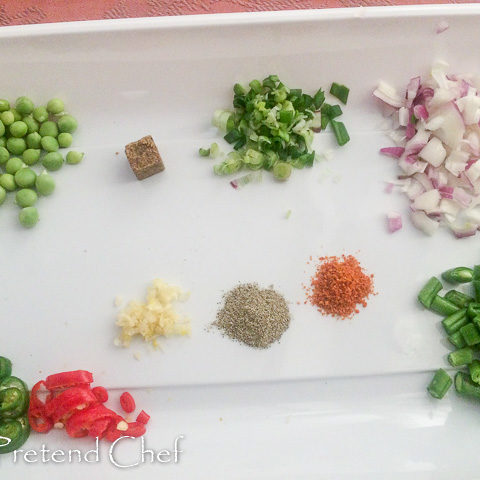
[253,177]
[340,91]
[212,152]
[272,125]
[440,384]
[340,132]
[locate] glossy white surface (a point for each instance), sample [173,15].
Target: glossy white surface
[104,234]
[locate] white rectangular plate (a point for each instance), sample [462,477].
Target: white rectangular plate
[103,233]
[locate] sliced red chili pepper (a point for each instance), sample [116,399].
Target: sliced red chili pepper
[99,428]
[80,423]
[68,379]
[127,402]
[36,411]
[143,417]
[38,421]
[134,429]
[65,404]
[101,394]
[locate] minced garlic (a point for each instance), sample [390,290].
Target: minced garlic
[154,318]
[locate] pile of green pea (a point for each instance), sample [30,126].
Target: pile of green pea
[29,136]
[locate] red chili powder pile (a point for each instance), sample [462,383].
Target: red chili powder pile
[338,286]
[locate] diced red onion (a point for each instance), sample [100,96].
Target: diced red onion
[420,112]
[393,151]
[412,90]
[446,192]
[442,25]
[444,142]
[394,222]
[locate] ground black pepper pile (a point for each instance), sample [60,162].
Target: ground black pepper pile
[257,317]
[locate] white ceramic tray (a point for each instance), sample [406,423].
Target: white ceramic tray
[105,234]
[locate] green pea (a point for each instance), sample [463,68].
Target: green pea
[31,156]
[3,142]
[13,165]
[18,129]
[64,140]
[67,124]
[2,129]
[40,114]
[31,123]
[55,106]
[16,145]
[34,140]
[7,117]
[48,129]
[3,195]
[28,217]
[49,144]
[16,114]
[25,177]
[7,181]
[52,161]
[74,157]
[4,105]
[4,155]
[45,184]
[26,197]
[24,105]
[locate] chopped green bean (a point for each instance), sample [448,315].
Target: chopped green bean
[476,272]
[461,357]
[440,384]
[474,370]
[470,334]
[455,321]
[465,386]
[458,298]
[476,289]
[442,306]
[458,275]
[457,340]
[429,291]
[473,310]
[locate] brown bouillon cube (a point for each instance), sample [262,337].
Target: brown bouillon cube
[144,158]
